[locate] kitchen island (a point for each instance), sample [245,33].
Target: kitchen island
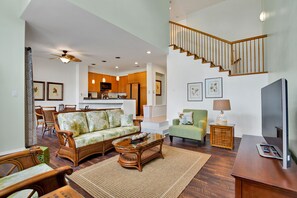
[128,105]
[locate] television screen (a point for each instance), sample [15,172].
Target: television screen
[274,116]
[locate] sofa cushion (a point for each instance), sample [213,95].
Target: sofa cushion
[75,122]
[114,117]
[186,118]
[22,175]
[127,120]
[118,131]
[129,130]
[187,131]
[88,138]
[97,120]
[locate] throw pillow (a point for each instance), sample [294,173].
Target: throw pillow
[114,117]
[75,122]
[127,120]
[186,118]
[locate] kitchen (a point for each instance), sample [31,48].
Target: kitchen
[118,90]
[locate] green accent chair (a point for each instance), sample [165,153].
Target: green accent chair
[197,131]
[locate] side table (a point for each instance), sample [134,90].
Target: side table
[222,135]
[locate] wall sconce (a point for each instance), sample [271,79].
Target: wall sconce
[93,81]
[103,80]
[117,78]
[262,16]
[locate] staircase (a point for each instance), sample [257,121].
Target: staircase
[241,57]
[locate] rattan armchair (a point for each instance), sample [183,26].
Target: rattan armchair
[13,179]
[48,119]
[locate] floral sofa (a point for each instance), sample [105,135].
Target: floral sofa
[82,134]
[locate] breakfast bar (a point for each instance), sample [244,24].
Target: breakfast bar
[127,105]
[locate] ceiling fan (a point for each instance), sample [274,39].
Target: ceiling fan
[66,58]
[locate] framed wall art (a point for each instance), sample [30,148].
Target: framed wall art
[214,87]
[158,87]
[54,91]
[39,90]
[195,91]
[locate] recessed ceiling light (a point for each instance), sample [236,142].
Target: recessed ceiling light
[136,63]
[169,8]
[93,64]
[104,61]
[148,52]
[117,67]
[117,57]
[137,66]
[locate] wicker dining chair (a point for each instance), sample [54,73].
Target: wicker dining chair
[39,117]
[48,119]
[69,108]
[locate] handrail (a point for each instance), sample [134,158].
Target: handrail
[240,57]
[218,38]
[195,30]
[250,39]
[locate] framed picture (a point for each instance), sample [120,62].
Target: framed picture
[39,90]
[158,87]
[54,91]
[214,87]
[195,91]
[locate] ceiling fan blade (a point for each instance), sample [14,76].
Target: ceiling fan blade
[54,58]
[75,60]
[56,55]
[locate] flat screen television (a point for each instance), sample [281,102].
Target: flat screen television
[274,100]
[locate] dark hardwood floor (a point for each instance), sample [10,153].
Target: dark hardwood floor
[213,180]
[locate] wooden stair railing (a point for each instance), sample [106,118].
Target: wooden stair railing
[239,57]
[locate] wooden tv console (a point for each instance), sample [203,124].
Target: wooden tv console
[256,176]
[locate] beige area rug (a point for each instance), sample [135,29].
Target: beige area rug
[166,177]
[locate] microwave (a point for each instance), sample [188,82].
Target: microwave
[105,86]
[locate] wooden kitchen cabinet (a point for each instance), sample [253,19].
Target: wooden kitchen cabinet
[122,84]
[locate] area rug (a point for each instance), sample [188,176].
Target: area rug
[166,177]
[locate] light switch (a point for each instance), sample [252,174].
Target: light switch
[14,93]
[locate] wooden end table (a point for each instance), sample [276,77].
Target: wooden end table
[222,135]
[136,155]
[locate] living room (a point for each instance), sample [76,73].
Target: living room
[243,92]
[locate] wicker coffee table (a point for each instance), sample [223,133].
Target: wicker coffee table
[137,154]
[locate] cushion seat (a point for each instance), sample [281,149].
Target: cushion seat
[187,131]
[21,176]
[88,138]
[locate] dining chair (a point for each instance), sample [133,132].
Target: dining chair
[68,108]
[39,117]
[48,119]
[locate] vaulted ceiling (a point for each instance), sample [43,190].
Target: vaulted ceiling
[56,25]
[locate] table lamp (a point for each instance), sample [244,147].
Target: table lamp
[221,105]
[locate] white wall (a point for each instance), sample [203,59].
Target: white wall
[230,20]
[55,71]
[12,84]
[244,92]
[281,51]
[145,19]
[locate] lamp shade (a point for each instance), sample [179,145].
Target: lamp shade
[221,105]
